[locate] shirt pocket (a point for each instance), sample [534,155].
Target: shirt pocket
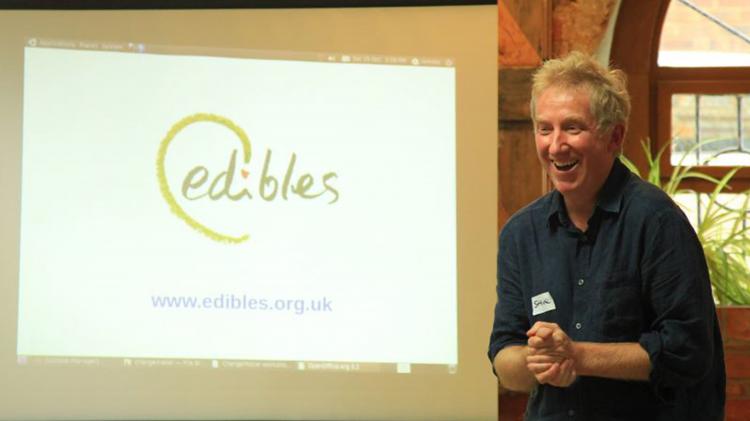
[621,307]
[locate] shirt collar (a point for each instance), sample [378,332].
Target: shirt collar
[609,198]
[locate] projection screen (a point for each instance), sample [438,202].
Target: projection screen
[269,213]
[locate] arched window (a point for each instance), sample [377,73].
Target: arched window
[703,87]
[699,33]
[702,84]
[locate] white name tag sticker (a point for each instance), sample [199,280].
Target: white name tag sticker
[542,303]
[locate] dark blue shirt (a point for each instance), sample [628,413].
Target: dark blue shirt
[638,274]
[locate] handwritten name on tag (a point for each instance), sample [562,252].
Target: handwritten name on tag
[542,303]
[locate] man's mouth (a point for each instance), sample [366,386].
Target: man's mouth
[565,166]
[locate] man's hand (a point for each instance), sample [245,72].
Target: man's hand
[551,355]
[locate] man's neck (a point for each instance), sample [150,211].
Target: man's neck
[580,206]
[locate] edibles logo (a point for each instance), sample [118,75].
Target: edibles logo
[198,184]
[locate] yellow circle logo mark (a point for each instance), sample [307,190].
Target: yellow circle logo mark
[162,177]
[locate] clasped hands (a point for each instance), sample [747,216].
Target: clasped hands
[551,355]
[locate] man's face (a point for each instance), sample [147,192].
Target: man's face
[575,156]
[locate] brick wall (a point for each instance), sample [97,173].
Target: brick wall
[735,329]
[512,405]
[682,24]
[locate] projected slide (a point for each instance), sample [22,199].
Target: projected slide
[199,206]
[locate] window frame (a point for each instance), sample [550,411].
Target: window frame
[696,80]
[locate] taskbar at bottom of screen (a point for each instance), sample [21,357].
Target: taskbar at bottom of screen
[232,364]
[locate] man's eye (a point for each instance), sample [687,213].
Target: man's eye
[543,130]
[573,129]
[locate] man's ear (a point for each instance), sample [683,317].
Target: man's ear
[616,138]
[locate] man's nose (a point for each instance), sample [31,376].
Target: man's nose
[558,142]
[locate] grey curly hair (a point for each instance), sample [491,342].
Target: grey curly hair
[609,98]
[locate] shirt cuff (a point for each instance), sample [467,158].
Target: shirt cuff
[495,348]
[651,342]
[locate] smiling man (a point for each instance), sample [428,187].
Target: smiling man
[604,305]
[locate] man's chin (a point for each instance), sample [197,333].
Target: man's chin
[563,187]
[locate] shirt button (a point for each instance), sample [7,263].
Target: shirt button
[581,282]
[578,326]
[571,413]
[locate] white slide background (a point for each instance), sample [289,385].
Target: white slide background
[99,242]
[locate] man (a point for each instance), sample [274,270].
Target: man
[604,305]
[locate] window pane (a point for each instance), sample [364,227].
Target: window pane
[717,130]
[689,204]
[726,201]
[683,128]
[695,205]
[705,32]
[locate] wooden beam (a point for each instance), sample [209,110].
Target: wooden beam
[514,48]
[635,46]
[534,18]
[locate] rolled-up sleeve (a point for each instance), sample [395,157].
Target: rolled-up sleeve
[511,323]
[680,340]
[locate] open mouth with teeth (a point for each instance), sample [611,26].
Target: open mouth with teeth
[565,166]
